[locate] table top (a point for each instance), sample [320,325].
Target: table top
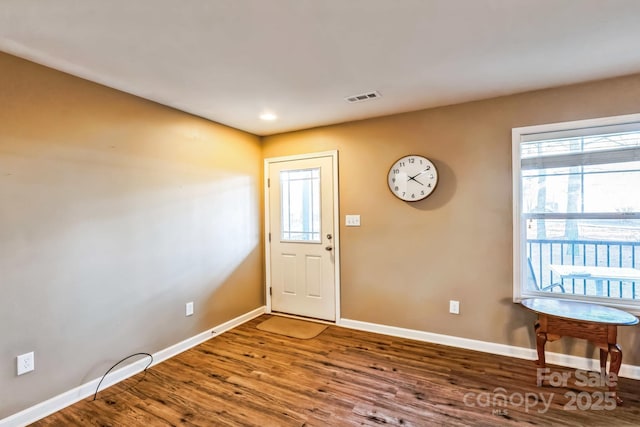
[597,273]
[582,311]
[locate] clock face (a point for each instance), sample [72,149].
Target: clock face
[412,178]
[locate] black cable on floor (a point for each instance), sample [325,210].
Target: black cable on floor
[111,368]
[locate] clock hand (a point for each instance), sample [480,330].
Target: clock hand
[419,173]
[414,179]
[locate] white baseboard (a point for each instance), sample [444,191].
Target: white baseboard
[626,371]
[70,397]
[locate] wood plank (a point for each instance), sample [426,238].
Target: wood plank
[343,377]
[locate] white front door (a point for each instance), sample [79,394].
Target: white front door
[302,240]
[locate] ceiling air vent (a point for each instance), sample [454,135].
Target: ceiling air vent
[363,97]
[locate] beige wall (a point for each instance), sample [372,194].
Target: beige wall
[407,260]
[114,212]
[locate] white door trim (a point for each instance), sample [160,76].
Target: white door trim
[336,216]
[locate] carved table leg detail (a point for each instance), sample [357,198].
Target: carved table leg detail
[604,354]
[541,340]
[616,360]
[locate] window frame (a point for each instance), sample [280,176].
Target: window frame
[549,131]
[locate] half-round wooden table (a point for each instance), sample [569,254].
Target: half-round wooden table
[595,323]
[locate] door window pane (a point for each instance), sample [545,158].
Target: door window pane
[300,205]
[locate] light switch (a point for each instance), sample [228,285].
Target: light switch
[352,221]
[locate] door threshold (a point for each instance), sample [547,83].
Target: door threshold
[309,319]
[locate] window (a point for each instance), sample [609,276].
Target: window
[577,211]
[300,198]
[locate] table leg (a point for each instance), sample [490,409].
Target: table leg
[604,354]
[616,360]
[541,340]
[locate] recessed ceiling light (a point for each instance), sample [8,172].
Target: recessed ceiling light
[268,116]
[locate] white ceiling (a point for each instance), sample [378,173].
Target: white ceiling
[230,60]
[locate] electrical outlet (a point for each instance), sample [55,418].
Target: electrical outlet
[189,309]
[26,363]
[454,307]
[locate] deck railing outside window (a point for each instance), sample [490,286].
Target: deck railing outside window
[545,252]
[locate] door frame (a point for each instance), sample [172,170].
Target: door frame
[336,222]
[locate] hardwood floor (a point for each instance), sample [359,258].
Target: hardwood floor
[343,377]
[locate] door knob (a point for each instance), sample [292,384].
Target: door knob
[328,248]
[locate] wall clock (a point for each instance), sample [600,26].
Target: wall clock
[412,178]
